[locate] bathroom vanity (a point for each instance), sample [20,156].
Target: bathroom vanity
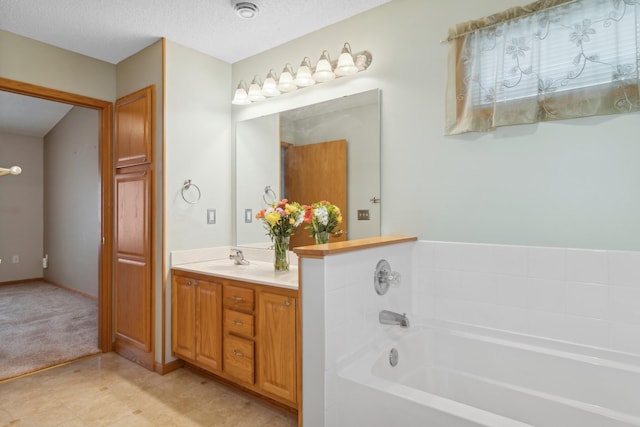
[240,323]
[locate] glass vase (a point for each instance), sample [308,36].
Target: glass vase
[321,237]
[281,253]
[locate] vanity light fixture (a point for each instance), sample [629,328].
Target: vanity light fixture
[325,70]
[269,87]
[303,76]
[346,65]
[285,83]
[241,97]
[255,90]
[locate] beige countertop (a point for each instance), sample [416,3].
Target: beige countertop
[259,272]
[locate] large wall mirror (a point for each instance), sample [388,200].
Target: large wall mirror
[299,145]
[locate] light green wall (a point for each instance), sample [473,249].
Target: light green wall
[134,73]
[197,144]
[33,62]
[568,184]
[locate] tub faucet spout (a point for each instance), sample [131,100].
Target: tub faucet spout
[387,317]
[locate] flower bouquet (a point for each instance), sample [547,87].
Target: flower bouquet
[280,220]
[323,219]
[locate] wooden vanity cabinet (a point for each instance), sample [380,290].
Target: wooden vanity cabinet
[277,344]
[254,325]
[196,328]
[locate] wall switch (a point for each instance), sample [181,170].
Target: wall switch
[363,214]
[16,259]
[211,216]
[248,216]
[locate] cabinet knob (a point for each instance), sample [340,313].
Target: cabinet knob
[236,298]
[287,303]
[237,322]
[238,353]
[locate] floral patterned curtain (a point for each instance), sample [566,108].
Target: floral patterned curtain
[572,60]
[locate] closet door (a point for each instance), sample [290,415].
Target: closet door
[133,296]
[133,189]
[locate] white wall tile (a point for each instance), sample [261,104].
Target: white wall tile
[588,300]
[546,295]
[624,268]
[476,258]
[512,291]
[624,304]
[546,263]
[509,260]
[447,256]
[589,266]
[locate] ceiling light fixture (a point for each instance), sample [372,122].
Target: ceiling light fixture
[246,9]
[347,64]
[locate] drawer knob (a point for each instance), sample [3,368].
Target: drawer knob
[237,322]
[238,353]
[236,298]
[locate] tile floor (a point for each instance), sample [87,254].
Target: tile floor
[108,390]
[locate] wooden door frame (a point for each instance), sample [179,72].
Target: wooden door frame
[105,250]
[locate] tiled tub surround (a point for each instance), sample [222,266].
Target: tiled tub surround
[573,298]
[590,297]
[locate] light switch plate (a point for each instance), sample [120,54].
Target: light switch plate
[248,216]
[363,214]
[211,216]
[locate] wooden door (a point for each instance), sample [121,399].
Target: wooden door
[209,324]
[313,173]
[133,297]
[133,132]
[276,342]
[183,319]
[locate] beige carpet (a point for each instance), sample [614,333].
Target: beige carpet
[42,325]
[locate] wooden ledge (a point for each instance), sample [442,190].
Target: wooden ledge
[321,251]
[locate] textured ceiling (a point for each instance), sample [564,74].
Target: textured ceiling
[112,30]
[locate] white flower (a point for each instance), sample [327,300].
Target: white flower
[322,215]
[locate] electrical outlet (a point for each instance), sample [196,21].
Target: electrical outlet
[211,216]
[16,259]
[363,214]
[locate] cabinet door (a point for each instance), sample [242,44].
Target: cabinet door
[183,330]
[276,341]
[209,324]
[134,128]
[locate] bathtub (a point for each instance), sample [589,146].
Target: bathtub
[457,375]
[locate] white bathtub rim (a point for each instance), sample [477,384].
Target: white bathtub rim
[582,352]
[360,373]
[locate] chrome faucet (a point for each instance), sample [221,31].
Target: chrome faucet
[238,257]
[387,317]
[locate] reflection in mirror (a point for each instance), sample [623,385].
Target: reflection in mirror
[301,153]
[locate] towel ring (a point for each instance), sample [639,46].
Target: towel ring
[185,187]
[268,192]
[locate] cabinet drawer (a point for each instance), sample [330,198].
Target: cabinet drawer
[238,358]
[238,323]
[238,298]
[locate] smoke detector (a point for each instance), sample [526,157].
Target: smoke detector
[246,9]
